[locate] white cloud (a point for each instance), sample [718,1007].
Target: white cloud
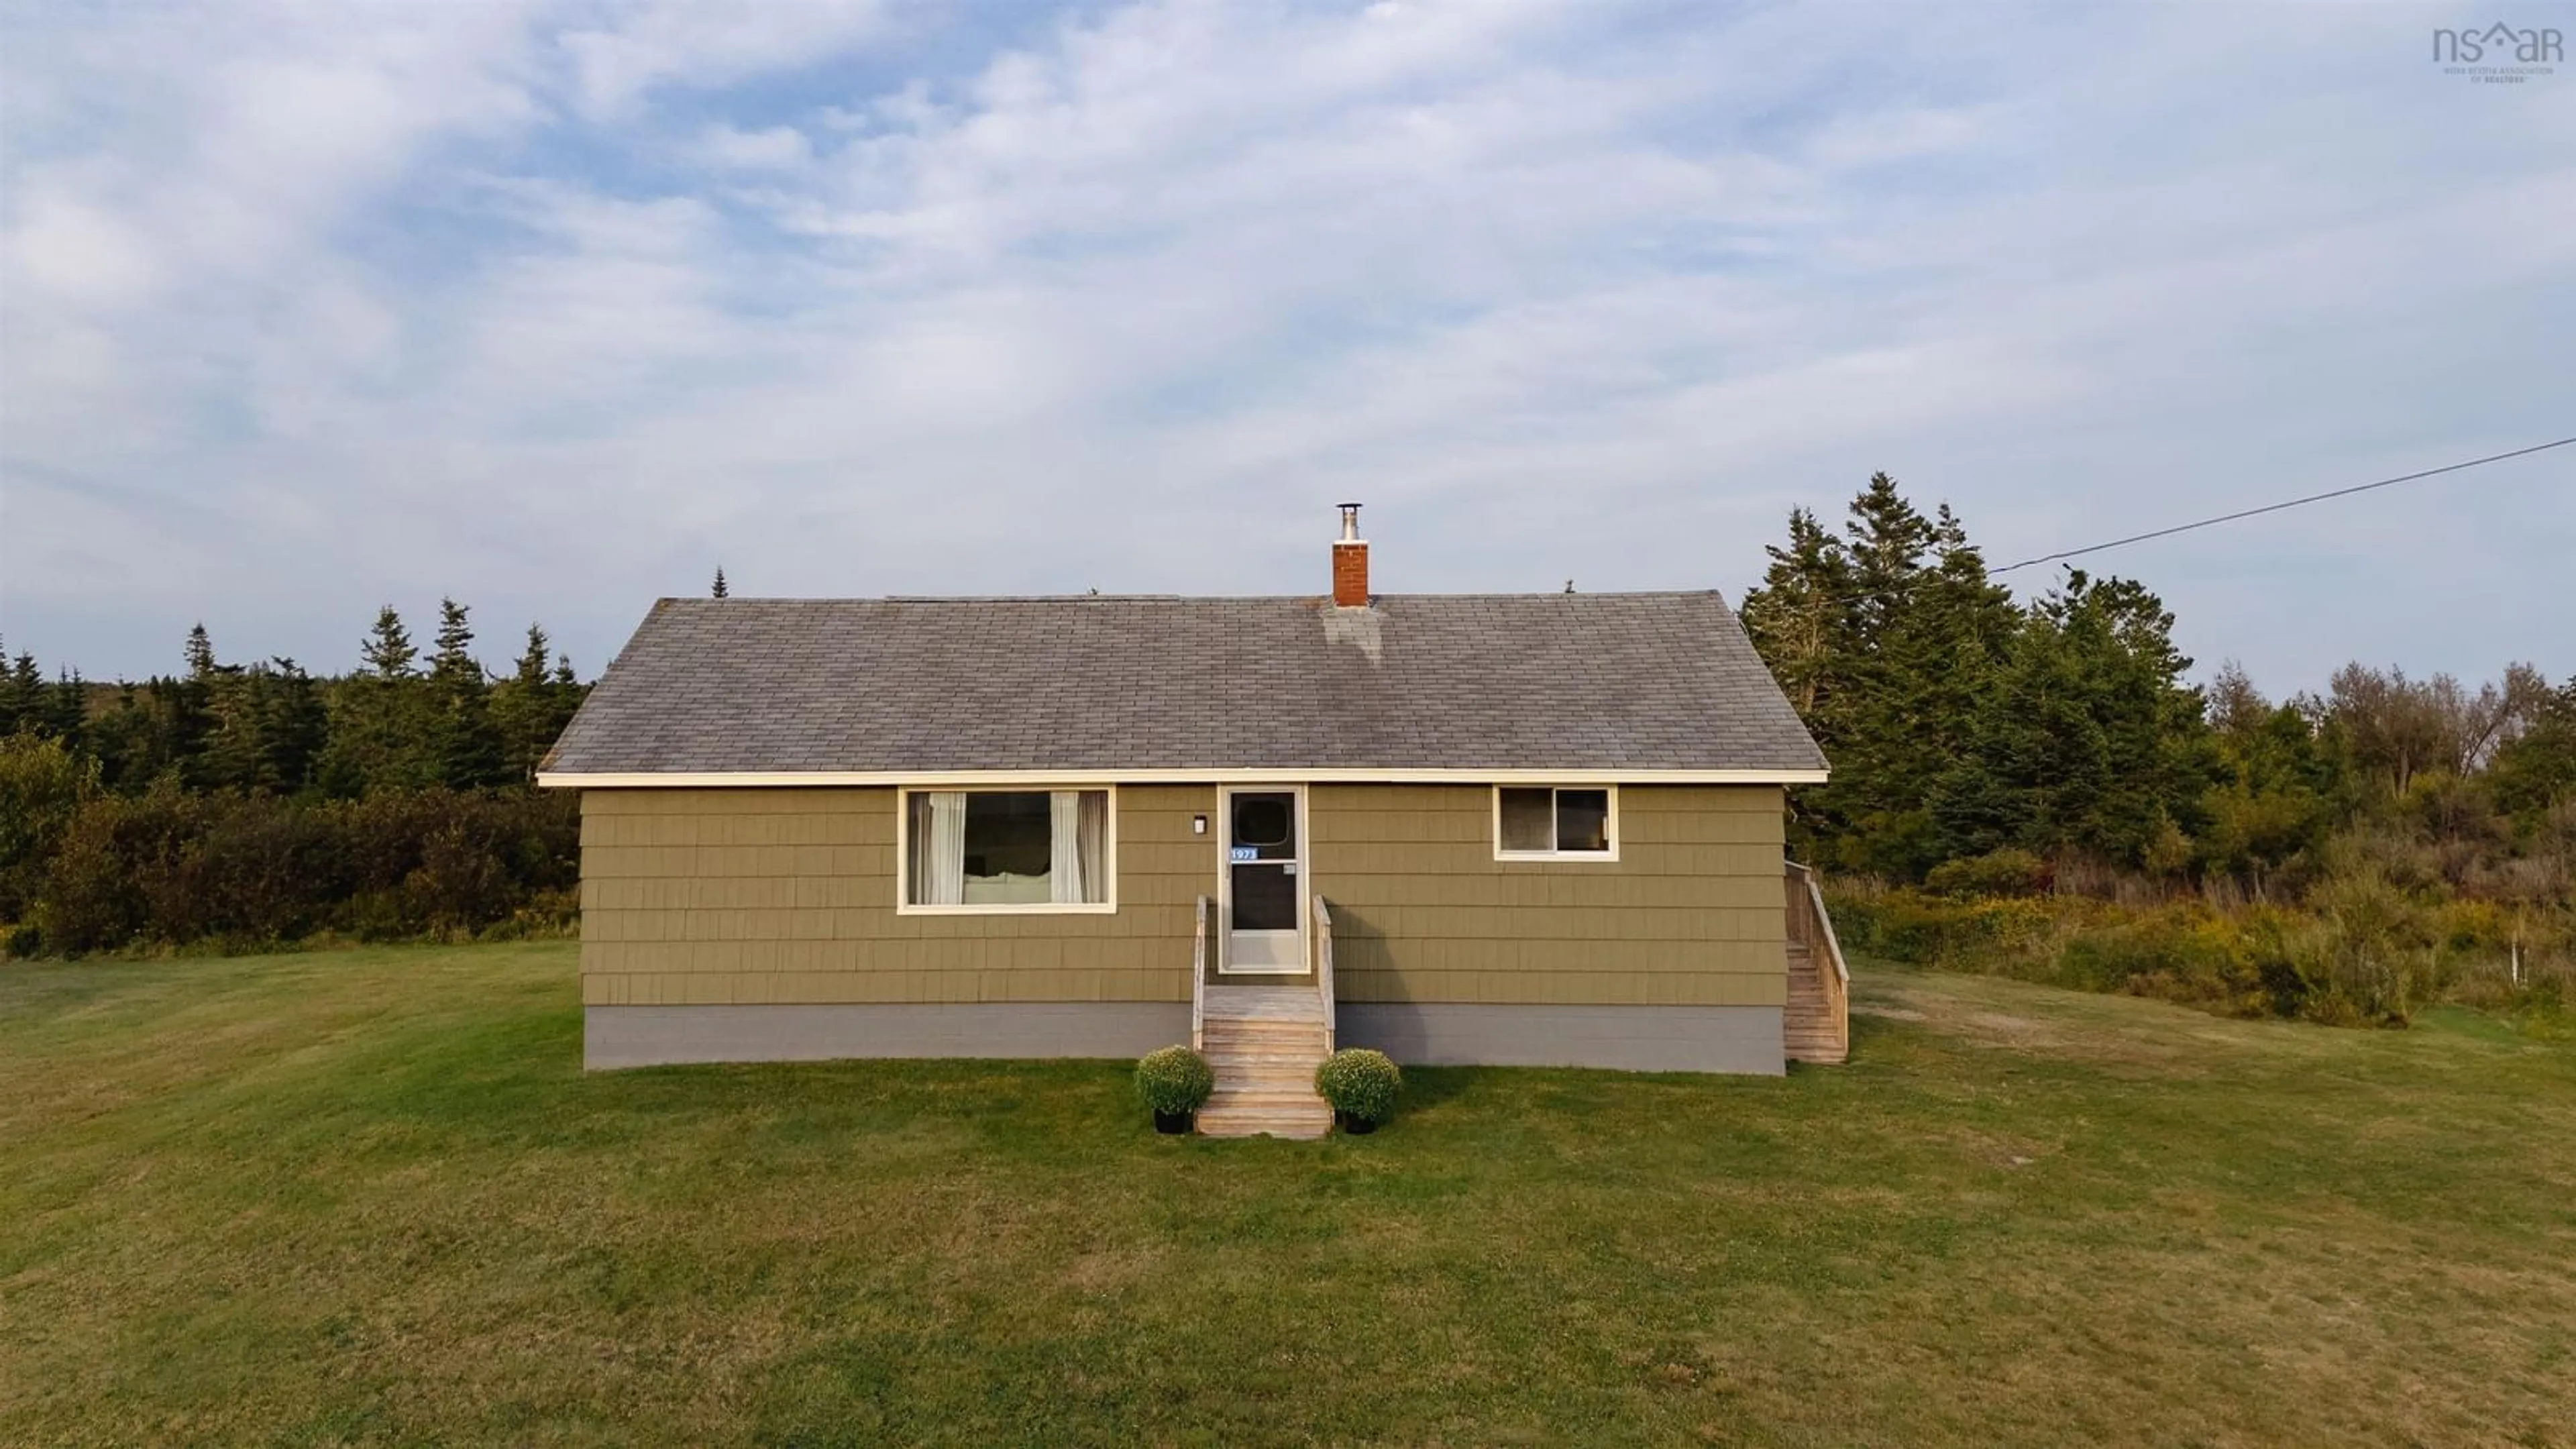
[79,252]
[554,308]
[777,148]
[624,53]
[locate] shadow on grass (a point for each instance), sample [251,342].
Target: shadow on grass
[1433,1086]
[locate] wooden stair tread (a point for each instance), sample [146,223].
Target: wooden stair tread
[1263,1003]
[1272,1124]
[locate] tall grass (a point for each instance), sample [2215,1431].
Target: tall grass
[2360,949]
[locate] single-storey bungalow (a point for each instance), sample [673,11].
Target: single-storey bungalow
[1538,829]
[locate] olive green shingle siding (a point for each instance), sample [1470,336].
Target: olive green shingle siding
[1690,914]
[769,896]
[783,896]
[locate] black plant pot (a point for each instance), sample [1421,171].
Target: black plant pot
[1356,1126]
[1172,1124]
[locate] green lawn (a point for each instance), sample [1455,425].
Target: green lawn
[369,1196]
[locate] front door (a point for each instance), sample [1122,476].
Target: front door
[1264,881]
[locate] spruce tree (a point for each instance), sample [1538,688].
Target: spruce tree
[22,689]
[125,739]
[718,591]
[1799,619]
[173,732]
[1887,640]
[468,746]
[294,727]
[388,650]
[2091,741]
[1931,669]
[228,755]
[381,719]
[191,720]
[532,705]
[66,709]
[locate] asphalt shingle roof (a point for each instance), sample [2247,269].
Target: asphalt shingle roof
[1419,681]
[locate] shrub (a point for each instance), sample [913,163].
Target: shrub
[2005,872]
[42,787]
[2381,958]
[1174,1081]
[1359,1083]
[2016,937]
[96,894]
[172,868]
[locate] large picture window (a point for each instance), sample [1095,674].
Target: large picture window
[1003,850]
[1552,823]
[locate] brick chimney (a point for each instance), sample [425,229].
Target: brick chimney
[1350,562]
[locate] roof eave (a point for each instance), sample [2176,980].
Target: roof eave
[772,779]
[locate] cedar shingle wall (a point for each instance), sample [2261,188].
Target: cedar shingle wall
[1689,915]
[710,897]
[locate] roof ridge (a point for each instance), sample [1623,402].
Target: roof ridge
[1174,598]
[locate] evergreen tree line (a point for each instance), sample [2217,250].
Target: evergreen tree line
[1987,748]
[248,803]
[397,722]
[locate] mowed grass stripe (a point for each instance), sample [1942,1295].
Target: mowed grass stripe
[369,1196]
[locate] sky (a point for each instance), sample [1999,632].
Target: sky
[555,308]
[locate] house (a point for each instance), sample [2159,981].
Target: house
[1513,829]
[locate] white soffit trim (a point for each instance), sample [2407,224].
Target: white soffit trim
[933,779]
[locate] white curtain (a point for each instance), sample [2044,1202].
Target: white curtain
[1077,871]
[939,848]
[1094,850]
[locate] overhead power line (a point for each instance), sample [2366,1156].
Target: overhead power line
[2277,507]
[1930,582]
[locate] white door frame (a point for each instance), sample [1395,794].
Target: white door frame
[1225,883]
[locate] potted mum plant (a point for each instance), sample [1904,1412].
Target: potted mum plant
[1360,1085]
[1174,1083]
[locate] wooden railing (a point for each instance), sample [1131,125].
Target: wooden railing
[1324,965]
[1198,980]
[1812,927]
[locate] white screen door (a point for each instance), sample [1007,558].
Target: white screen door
[1264,881]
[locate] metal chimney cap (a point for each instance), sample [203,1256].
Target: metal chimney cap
[1350,521]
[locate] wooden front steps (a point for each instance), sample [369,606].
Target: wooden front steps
[1813,1030]
[1264,1043]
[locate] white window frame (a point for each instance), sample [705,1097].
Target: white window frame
[1610,824]
[903,905]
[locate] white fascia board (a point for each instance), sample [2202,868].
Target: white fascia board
[969,779]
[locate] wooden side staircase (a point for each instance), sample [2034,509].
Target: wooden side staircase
[1264,1044]
[1816,1027]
